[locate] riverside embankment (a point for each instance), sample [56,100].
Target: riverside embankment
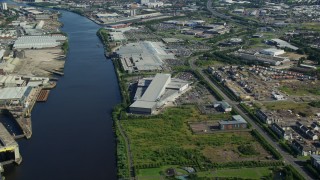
[73,136]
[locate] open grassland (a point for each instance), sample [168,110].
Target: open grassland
[245,173]
[297,108]
[311,26]
[167,140]
[301,91]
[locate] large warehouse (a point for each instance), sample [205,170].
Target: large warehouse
[38,42]
[143,56]
[152,93]
[15,95]
[272,51]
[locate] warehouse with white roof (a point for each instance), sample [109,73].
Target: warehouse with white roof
[272,51]
[143,56]
[38,42]
[153,93]
[15,95]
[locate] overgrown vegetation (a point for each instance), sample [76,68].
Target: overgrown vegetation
[103,34]
[315,104]
[177,145]
[247,149]
[65,47]
[266,145]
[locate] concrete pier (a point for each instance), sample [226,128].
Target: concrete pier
[23,114]
[9,145]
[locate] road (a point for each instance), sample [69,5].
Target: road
[215,13]
[288,159]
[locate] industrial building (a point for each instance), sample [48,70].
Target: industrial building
[315,161]
[153,93]
[143,56]
[4,6]
[224,106]
[261,58]
[237,122]
[11,81]
[15,96]
[38,42]
[283,44]
[272,51]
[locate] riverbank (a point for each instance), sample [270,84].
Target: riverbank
[76,118]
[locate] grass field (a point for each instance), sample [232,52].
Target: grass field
[301,91]
[167,140]
[297,108]
[311,26]
[250,173]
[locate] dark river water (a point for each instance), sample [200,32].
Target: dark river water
[72,132]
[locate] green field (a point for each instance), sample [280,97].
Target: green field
[311,26]
[251,173]
[301,91]
[296,108]
[167,140]
[158,173]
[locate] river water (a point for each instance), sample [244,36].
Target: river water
[72,132]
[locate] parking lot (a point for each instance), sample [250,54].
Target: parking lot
[141,34]
[198,95]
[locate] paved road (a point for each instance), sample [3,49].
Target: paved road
[215,13]
[288,159]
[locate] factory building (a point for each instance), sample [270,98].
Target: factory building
[315,161]
[272,51]
[224,106]
[4,6]
[15,96]
[38,42]
[143,56]
[11,81]
[282,44]
[153,93]
[237,122]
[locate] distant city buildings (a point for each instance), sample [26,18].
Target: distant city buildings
[4,6]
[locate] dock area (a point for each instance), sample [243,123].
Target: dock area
[56,72]
[23,114]
[43,95]
[8,144]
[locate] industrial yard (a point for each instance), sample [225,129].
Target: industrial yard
[32,54]
[41,62]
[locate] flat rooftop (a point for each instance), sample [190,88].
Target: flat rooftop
[13,92]
[142,56]
[155,92]
[143,104]
[283,44]
[156,87]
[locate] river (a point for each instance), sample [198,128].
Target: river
[72,132]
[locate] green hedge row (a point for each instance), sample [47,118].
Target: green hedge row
[266,145]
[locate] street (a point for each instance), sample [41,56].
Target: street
[287,158]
